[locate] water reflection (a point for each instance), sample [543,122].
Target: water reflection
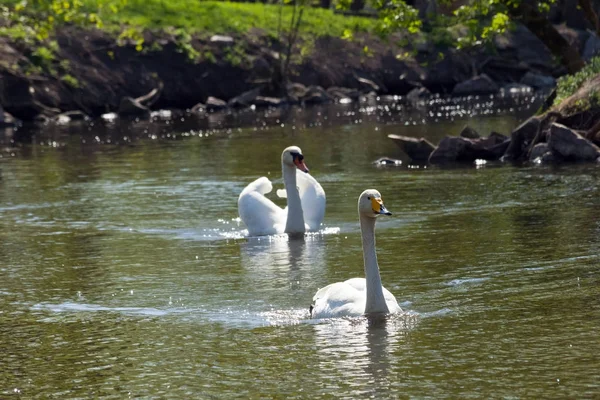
[280,261]
[363,350]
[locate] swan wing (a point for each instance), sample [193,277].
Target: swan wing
[340,299]
[312,197]
[260,215]
[391,302]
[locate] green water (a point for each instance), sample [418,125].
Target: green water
[124,272]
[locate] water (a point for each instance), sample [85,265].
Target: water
[124,272]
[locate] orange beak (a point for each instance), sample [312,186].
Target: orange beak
[299,163]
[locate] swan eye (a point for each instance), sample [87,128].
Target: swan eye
[369,198]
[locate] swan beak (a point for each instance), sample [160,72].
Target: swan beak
[378,207]
[299,162]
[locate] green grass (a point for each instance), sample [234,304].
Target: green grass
[193,17]
[213,17]
[569,84]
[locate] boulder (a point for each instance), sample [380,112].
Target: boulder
[70,116]
[339,93]
[461,149]
[418,93]
[18,97]
[591,48]
[538,81]
[495,152]
[570,145]
[481,84]
[214,104]
[520,139]
[296,91]
[367,85]
[516,88]
[416,149]
[387,161]
[493,139]
[452,149]
[130,107]
[245,99]
[6,120]
[316,95]
[469,133]
[198,108]
[261,101]
[538,151]
[224,39]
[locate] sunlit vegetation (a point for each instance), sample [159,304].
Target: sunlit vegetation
[208,17]
[569,84]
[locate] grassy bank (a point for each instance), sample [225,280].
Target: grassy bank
[207,17]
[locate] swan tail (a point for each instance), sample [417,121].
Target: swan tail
[260,215]
[262,185]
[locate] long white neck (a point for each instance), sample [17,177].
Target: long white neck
[375,300]
[295,217]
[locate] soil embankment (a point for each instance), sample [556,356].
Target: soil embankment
[105,76]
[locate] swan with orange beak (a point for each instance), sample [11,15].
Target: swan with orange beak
[305,200]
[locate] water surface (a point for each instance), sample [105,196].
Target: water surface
[125,273]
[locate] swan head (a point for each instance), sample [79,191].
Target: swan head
[292,157]
[371,205]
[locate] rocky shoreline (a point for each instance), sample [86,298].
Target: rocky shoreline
[115,79]
[107,76]
[568,132]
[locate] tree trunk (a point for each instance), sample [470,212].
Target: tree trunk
[590,14]
[541,27]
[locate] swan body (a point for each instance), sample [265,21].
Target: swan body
[359,296]
[305,208]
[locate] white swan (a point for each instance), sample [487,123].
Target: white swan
[305,200]
[359,296]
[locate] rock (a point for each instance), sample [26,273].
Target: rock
[481,84]
[70,116]
[387,161]
[522,47]
[368,85]
[570,145]
[262,101]
[130,107]
[339,93]
[17,96]
[245,99]
[461,149]
[538,81]
[221,39]
[151,97]
[214,104]
[416,149]
[451,149]
[6,120]
[198,108]
[503,70]
[492,140]
[538,151]
[417,94]
[261,67]
[592,47]
[469,133]
[516,88]
[497,151]
[296,91]
[498,137]
[520,139]
[316,95]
